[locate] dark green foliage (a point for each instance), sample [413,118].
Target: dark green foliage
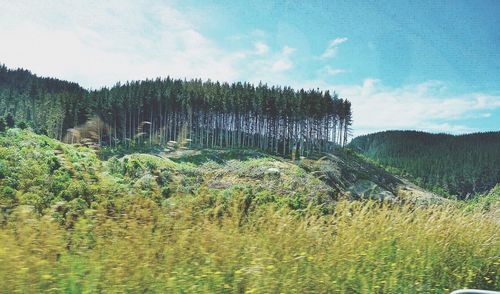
[456,165]
[9,119]
[49,106]
[3,170]
[3,125]
[40,178]
[153,112]
[41,131]
[165,191]
[22,125]
[8,193]
[48,176]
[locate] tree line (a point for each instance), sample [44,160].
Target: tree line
[457,165]
[210,114]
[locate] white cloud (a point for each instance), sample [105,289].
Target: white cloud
[98,43]
[330,71]
[261,48]
[331,50]
[283,61]
[287,51]
[422,106]
[282,65]
[337,41]
[425,106]
[273,68]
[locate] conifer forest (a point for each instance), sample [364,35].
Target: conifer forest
[280,120]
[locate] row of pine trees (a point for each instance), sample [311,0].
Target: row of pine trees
[207,114]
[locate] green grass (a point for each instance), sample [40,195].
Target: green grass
[72,223]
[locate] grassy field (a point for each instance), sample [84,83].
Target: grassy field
[71,223]
[364,247]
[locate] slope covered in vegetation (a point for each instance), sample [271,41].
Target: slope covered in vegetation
[227,221]
[209,114]
[457,165]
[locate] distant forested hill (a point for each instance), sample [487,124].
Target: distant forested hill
[206,113]
[457,165]
[49,105]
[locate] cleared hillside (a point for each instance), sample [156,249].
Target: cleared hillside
[39,171]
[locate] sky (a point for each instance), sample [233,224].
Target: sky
[419,65]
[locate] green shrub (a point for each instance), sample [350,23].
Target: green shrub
[165,191]
[8,193]
[22,125]
[164,177]
[65,195]
[3,125]
[3,170]
[53,163]
[60,180]
[37,201]
[115,166]
[10,121]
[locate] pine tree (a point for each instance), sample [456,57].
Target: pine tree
[9,119]
[3,125]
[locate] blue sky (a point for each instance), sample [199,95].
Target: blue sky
[425,65]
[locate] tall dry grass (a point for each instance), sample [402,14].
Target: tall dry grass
[364,247]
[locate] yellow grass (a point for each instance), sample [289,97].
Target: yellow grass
[365,247]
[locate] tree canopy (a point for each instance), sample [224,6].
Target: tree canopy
[280,120]
[457,165]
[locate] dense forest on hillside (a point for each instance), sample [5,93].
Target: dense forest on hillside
[456,165]
[49,105]
[206,114]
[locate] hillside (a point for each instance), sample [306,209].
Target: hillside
[229,221]
[49,105]
[249,198]
[42,172]
[275,119]
[457,165]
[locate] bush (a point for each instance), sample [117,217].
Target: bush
[3,125]
[165,191]
[41,131]
[116,167]
[164,177]
[60,181]
[3,170]
[9,119]
[9,193]
[65,195]
[22,125]
[53,163]
[37,201]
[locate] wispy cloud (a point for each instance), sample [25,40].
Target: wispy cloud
[261,48]
[424,106]
[331,50]
[330,71]
[283,61]
[275,67]
[100,42]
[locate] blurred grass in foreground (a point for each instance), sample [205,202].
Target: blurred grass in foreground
[364,247]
